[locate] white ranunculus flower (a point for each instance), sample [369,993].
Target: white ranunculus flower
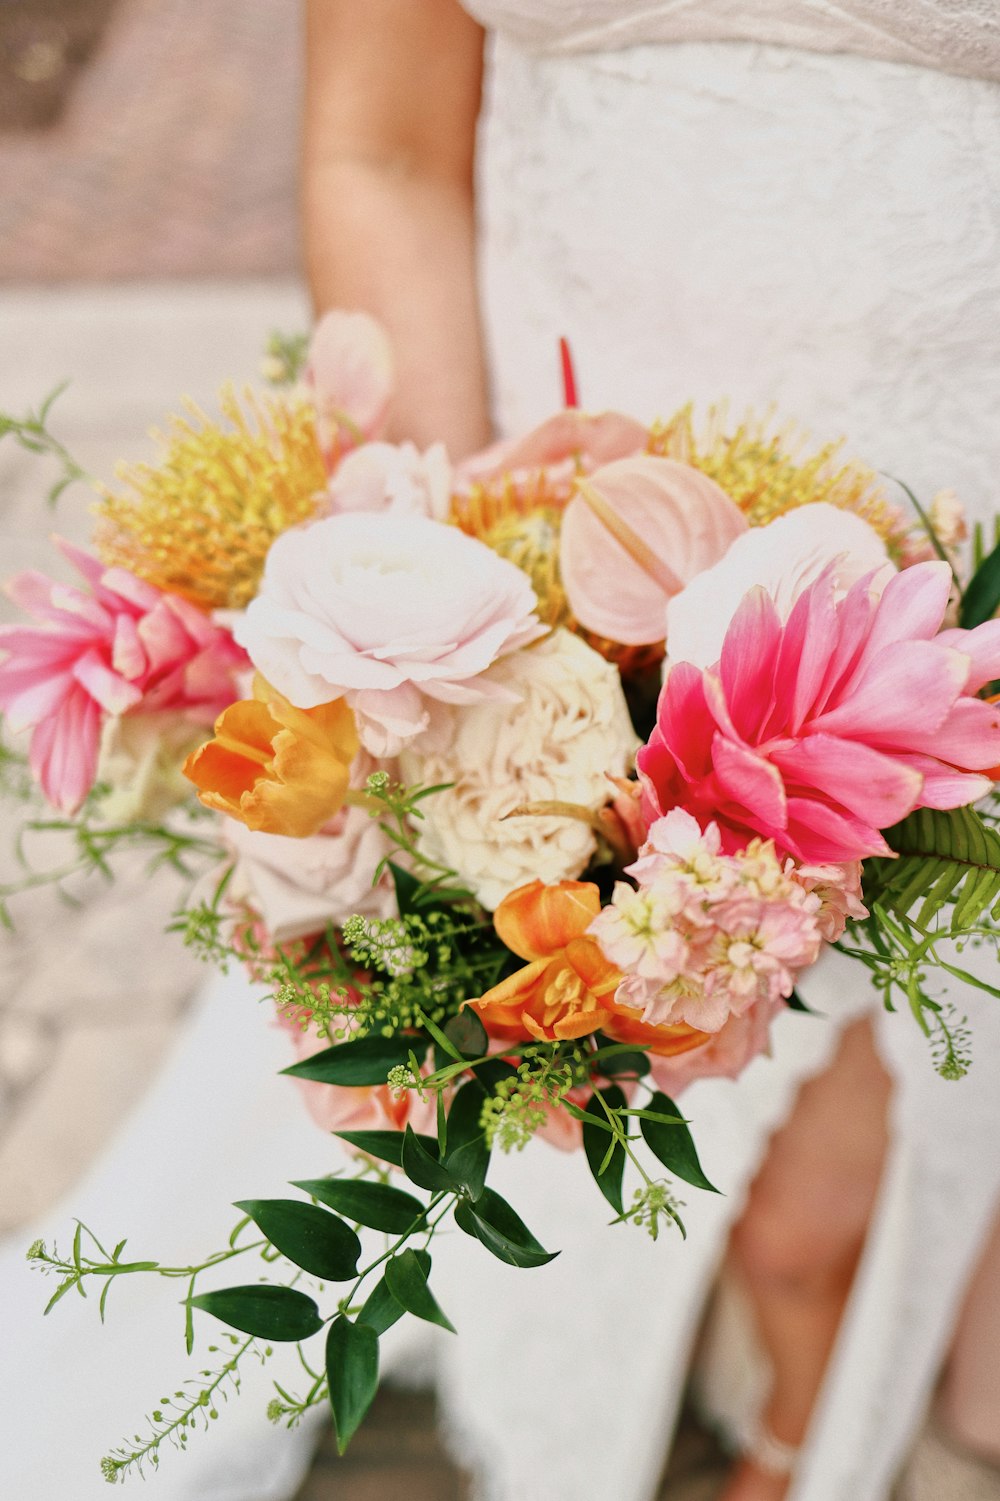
[568,732]
[393,477]
[391,611]
[785,557]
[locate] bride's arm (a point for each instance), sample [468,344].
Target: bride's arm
[392,98]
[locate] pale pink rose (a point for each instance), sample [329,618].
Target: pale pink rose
[820,732]
[390,612]
[298,886]
[121,646]
[393,477]
[784,558]
[349,373]
[634,534]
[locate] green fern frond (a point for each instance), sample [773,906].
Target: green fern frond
[945,858]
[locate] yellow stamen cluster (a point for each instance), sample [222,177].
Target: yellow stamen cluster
[766,473]
[200,522]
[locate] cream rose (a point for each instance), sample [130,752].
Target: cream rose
[568,731]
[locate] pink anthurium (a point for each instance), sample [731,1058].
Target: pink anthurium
[634,534]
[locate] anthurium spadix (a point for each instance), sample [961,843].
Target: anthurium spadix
[634,534]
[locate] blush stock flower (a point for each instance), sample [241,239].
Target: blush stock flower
[389,611]
[820,732]
[120,646]
[707,935]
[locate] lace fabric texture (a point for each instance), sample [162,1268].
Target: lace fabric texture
[952,36]
[779,225]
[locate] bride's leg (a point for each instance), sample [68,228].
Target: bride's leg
[970,1393]
[798,1243]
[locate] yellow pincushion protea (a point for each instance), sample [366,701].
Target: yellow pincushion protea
[200,522]
[766,474]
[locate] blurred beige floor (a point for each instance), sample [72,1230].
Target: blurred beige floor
[90,994]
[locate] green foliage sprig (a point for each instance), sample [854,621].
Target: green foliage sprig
[33,434]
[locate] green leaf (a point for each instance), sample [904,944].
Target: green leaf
[278,1313]
[423,1168]
[981,599]
[796,1003]
[493,1222]
[377,1205]
[467,1034]
[945,857]
[673,1145]
[618,1058]
[381,1310]
[406,1277]
[312,1238]
[494,1070]
[605,1155]
[352,1375]
[364,1062]
[468,1157]
[386,1145]
[408,889]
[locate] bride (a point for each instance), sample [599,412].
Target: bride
[789,201]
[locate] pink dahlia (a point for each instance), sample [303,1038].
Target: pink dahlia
[820,732]
[119,646]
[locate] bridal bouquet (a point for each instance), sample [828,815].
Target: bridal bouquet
[527,787]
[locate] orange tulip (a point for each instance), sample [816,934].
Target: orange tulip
[276,768]
[566,989]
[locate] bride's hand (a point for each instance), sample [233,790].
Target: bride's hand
[391,103]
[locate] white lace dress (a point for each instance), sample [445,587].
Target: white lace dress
[706,213]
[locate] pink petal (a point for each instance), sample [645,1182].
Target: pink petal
[945,787]
[912,606]
[37,701]
[163,638]
[818,833]
[109,690]
[969,736]
[910,685]
[351,369]
[681,522]
[747,666]
[982,646]
[810,639]
[63,755]
[752,782]
[876,788]
[128,657]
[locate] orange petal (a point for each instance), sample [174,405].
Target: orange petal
[597,972]
[626,1025]
[537,921]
